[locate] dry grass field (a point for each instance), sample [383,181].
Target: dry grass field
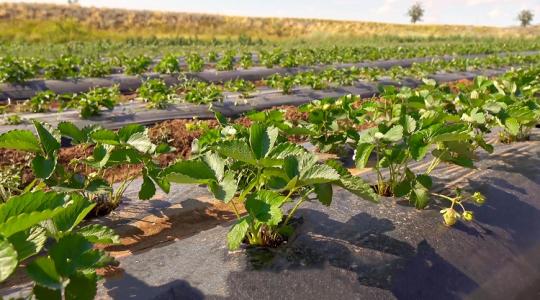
[39,22]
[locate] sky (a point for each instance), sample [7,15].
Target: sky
[470,12]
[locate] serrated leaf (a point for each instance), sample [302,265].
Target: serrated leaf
[105,136]
[43,168]
[23,140]
[43,271]
[69,129]
[262,140]
[237,150]
[190,171]
[141,142]
[419,196]
[47,139]
[363,152]
[318,173]
[28,242]
[73,214]
[148,189]
[126,132]
[237,234]
[8,259]
[324,193]
[99,234]
[225,189]
[215,163]
[43,293]
[69,254]
[265,207]
[394,134]
[81,286]
[512,126]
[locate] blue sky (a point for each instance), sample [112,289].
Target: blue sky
[476,12]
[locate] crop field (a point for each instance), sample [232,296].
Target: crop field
[291,163]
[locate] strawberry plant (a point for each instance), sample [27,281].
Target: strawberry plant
[195,62]
[168,65]
[42,101]
[156,93]
[95,68]
[90,103]
[136,65]
[201,92]
[283,83]
[226,63]
[10,183]
[14,70]
[42,232]
[246,60]
[266,173]
[62,68]
[241,86]
[331,123]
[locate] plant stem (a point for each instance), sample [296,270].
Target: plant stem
[293,210]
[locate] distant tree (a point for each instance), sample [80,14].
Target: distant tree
[416,12]
[525,17]
[73,1]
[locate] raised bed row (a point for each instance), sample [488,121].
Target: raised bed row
[128,84]
[137,113]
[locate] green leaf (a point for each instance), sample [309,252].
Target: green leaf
[324,193]
[265,207]
[69,129]
[418,146]
[216,163]
[8,259]
[73,214]
[512,126]
[318,173]
[419,196]
[69,254]
[394,134]
[403,188]
[363,151]
[28,242]
[237,234]
[148,189]
[23,140]
[190,171]
[48,141]
[105,136]
[353,184]
[409,124]
[290,166]
[43,293]
[237,150]
[141,142]
[262,140]
[82,286]
[43,271]
[126,132]
[43,168]
[425,180]
[30,202]
[225,189]
[99,234]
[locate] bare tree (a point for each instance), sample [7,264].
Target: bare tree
[416,12]
[525,17]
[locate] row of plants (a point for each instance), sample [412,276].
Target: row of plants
[19,69]
[158,95]
[255,168]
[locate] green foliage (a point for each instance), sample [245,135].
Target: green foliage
[265,174]
[42,101]
[241,86]
[70,261]
[13,70]
[195,62]
[90,103]
[136,65]
[168,65]
[156,93]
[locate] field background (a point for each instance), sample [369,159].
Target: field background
[59,23]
